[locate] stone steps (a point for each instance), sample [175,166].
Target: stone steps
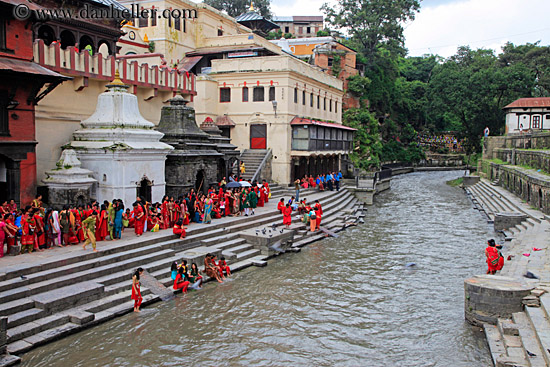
[108,274]
[528,338]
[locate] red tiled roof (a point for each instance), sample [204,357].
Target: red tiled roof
[188,62]
[530,102]
[304,121]
[224,121]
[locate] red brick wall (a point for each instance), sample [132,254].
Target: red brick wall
[19,40]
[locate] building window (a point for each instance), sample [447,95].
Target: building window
[308,30]
[316,30]
[169,22]
[153,21]
[325,103]
[220,32]
[318,102]
[184,25]
[330,62]
[287,29]
[311,100]
[258,94]
[330,106]
[336,106]
[225,94]
[295,95]
[177,23]
[143,22]
[2,34]
[4,119]
[272,93]
[536,122]
[245,94]
[300,30]
[304,97]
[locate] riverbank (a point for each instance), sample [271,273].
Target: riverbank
[517,331]
[335,303]
[66,290]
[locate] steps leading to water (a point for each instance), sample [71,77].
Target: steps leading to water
[65,293]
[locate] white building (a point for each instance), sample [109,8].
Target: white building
[528,114]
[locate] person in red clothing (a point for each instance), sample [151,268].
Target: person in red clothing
[267,190]
[181,281]
[136,289]
[101,227]
[139,219]
[287,216]
[318,215]
[28,230]
[281,205]
[164,212]
[493,257]
[179,229]
[223,267]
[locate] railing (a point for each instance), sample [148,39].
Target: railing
[258,172]
[71,62]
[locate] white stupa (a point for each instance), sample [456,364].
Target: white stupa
[121,148]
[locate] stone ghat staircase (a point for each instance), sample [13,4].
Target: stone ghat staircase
[48,300]
[252,159]
[524,340]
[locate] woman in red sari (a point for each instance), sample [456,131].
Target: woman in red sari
[136,289]
[164,212]
[181,281]
[28,227]
[493,257]
[287,216]
[267,189]
[139,219]
[101,230]
[179,229]
[261,197]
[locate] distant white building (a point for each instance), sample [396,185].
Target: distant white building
[528,114]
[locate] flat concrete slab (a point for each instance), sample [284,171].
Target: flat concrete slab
[68,297]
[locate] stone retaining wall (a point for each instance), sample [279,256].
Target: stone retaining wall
[532,158]
[518,141]
[535,191]
[488,298]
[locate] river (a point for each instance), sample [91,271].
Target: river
[347,301]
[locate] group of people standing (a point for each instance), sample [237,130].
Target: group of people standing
[329,181]
[311,213]
[38,228]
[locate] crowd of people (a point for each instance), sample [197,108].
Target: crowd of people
[310,213]
[329,181]
[38,228]
[434,142]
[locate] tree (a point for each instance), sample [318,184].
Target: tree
[469,90]
[235,8]
[373,23]
[367,144]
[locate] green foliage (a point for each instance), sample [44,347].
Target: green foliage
[373,23]
[275,35]
[367,145]
[235,8]
[456,182]
[336,67]
[151,46]
[399,152]
[358,86]
[323,33]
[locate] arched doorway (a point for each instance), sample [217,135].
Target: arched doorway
[46,34]
[84,42]
[199,181]
[104,48]
[67,39]
[144,189]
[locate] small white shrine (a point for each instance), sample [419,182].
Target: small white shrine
[121,148]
